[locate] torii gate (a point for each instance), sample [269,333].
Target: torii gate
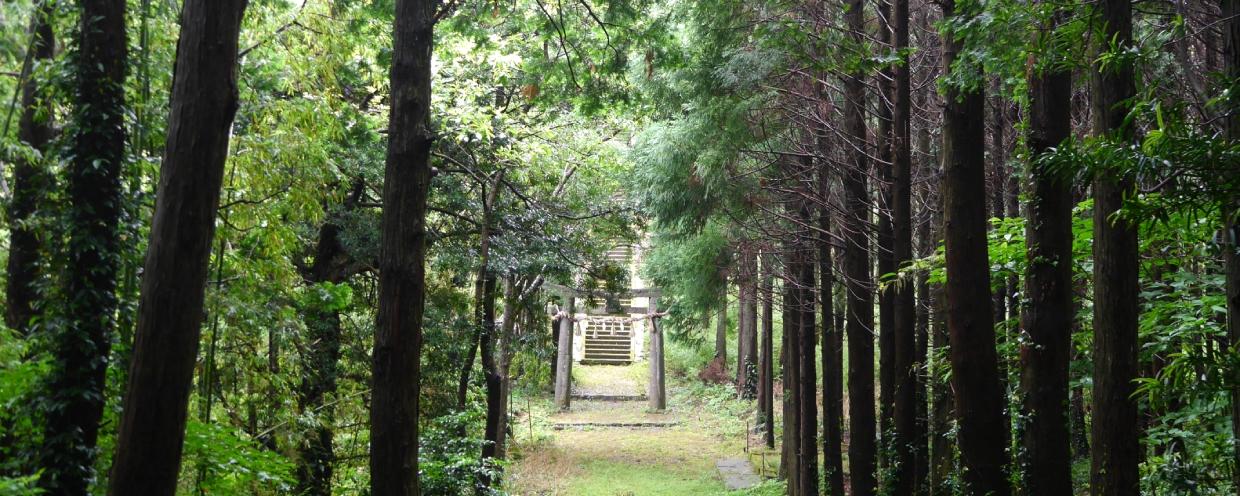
[656,391]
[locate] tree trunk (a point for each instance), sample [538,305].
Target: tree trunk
[747,322]
[1230,10]
[832,369]
[656,392]
[1115,433]
[807,376]
[316,457]
[903,304]
[31,180]
[402,285]
[503,363]
[721,328]
[564,357]
[204,101]
[941,446]
[1049,314]
[885,253]
[766,371]
[789,373]
[483,328]
[494,383]
[76,383]
[921,443]
[332,264]
[857,279]
[975,371]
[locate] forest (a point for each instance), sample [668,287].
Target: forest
[620,247]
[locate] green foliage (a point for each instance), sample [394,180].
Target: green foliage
[20,486]
[233,462]
[449,463]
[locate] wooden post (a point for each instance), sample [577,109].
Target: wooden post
[656,392]
[564,357]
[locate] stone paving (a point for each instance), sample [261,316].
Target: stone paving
[737,473]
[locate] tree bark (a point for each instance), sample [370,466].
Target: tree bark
[31,180]
[494,423]
[503,365]
[204,101]
[1048,316]
[402,285]
[564,357]
[903,305]
[857,279]
[941,446]
[332,264]
[1230,10]
[766,370]
[483,328]
[832,369]
[975,371]
[656,393]
[721,328]
[885,253]
[807,376]
[75,386]
[747,336]
[789,373]
[1115,433]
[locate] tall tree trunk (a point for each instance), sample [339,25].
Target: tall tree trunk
[1115,433]
[998,190]
[656,390]
[942,451]
[503,363]
[747,335]
[766,369]
[721,328]
[807,376]
[832,369]
[316,456]
[1230,10]
[483,328]
[564,357]
[75,385]
[402,285]
[904,310]
[31,179]
[332,264]
[790,372]
[494,386]
[1049,314]
[204,100]
[857,279]
[921,443]
[885,253]
[975,371]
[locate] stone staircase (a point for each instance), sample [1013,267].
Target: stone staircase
[608,342]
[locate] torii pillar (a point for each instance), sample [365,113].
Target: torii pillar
[656,393]
[564,355]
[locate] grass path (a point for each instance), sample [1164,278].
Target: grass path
[678,460]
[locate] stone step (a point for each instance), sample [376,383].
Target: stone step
[559,426]
[608,353]
[603,347]
[617,339]
[620,341]
[737,474]
[609,397]
[605,361]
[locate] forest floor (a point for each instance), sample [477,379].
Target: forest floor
[674,453]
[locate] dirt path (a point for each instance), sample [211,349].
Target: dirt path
[675,453]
